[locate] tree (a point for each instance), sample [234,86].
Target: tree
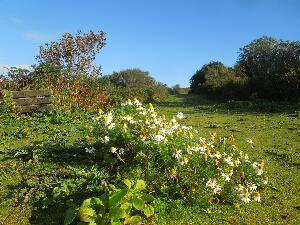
[133,78]
[271,64]
[208,71]
[75,53]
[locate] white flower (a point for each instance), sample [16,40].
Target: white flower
[121,151]
[212,183]
[217,189]
[259,172]
[249,141]
[226,177]
[180,115]
[113,150]
[256,197]
[265,181]
[202,140]
[143,113]
[239,188]
[252,187]
[228,160]
[90,150]
[137,102]
[152,126]
[184,161]
[245,198]
[177,154]
[111,126]
[128,118]
[173,120]
[158,138]
[108,119]
[105,139]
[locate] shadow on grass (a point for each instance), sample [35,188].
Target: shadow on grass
[50,175]
[203,103]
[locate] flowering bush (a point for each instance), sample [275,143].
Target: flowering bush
[173,159]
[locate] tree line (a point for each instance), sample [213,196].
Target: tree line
[265,68]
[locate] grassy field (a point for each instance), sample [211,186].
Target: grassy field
[39,146]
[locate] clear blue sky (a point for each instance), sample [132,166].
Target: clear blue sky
[170,39]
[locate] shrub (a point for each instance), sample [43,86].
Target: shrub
[140,143]
[128,205]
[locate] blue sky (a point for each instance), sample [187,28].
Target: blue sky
[170,39]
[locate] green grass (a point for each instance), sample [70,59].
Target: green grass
[273,126]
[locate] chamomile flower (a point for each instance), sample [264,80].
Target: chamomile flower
[90,150]
[180,115]
[177,154]
[113,150]
[256,197]
[105,139]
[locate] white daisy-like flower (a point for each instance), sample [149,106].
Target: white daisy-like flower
[226,177]
[252,187]
[202,140]
[111,126]
[113,150]
[180,115]
[240,188]
[137,102]
[108,119]
[158,138]
[259,172]
[229,161]
[184,161]
[177,154]
[105,139]
[249,141]
[256,197]
[245,198]
[90,150]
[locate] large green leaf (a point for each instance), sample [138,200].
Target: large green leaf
[86,214]
[135,220]
[147,197]
[90,202]
[148,210]
[140,185]
[127,182]
[116,223]
[138,203]
[70,215]
[117,213]
[117,197]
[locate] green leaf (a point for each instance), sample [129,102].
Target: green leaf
[148,210]
[117,213]
[127,182]
[138,203]
[86,214]
[70,215]
[135,219]
[140,185]
[91,202]
[147,197]
[126,207]
[116,223]
[117,197]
